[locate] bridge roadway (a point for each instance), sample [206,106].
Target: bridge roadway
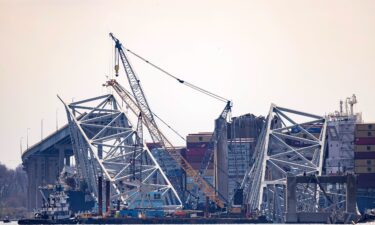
[44,161]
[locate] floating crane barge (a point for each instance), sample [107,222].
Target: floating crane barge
[165,220]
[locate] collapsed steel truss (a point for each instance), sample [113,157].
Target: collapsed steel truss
[292,143]
[106,144]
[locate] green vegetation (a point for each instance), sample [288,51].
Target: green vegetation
[13,192]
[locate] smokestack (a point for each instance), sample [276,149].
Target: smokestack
[107,195]
[100,196]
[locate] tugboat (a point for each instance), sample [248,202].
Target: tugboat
[55,207]
[6,220]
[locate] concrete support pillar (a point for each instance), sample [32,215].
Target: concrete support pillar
[43,168]
[28,167]
[291,195]
[33,183]
[207,207]
[221,160]
[61,158]
[38,179]
[351,194]
[107,195]
[100,196]
[291,202]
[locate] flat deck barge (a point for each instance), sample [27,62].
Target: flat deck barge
[164,220]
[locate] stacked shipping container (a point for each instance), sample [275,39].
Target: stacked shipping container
[242,133]
[196,147]
[240,151]
[364,155]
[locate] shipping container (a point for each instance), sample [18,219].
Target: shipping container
[197,145]
[364,148]
[303,135]
[366,180]
[235,210]
[190,180]
[197,165]
[209,178]
[364,162]
[365,126]
[194,154]
[315,129]
[364,155]
[200,137]
[295,143]
[183,152]
[154,213]
[365,141]
[360,134]
[364,169]
[210,172]
[195,151]
[195,160]
[132,213]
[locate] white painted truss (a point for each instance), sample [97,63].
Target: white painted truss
[106,144]
[292,143]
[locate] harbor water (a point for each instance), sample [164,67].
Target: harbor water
[16,223]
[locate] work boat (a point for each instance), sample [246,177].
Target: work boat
[56,207]
[6,220]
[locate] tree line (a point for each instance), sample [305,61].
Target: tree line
[13,192]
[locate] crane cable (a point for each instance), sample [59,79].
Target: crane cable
[158,117]
[185,83]
[203,91]
[208,93]
[166,124]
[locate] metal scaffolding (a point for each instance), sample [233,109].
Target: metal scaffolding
[107,145]
[292,143]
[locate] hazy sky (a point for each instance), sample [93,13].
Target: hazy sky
[298,54]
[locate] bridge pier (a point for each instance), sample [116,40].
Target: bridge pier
[43,163]
[297,216]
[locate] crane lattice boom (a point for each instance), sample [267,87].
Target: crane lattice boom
[139,105]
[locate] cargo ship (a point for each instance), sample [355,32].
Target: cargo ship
[364,165]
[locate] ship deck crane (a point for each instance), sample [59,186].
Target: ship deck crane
[139,105]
